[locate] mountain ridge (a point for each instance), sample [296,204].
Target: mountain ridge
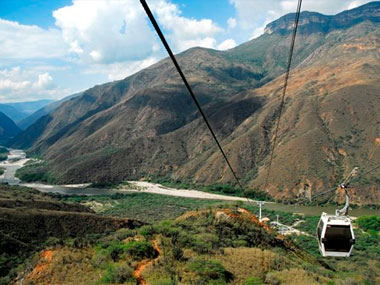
[18,111]
[317,22]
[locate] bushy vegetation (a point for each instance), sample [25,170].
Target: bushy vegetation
[37,172]
[143,206]
[153,207]
[3,153]
[2,170]
[204,233]
[369,223]
[118,274]
[309,225]
[117,250]
[209,271]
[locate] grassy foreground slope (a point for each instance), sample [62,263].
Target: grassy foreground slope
[29,219]
[187,241]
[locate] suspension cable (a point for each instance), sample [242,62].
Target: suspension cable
[296,20]
[334,189]
[166,45]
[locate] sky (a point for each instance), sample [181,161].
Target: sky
[52,49]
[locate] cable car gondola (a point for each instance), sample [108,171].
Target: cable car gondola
[334,232]
[335,236]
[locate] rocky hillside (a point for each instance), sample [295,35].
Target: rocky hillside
[147,126]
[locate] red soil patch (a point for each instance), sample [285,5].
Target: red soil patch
[44,261]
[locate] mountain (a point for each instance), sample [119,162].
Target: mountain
[20,110]
[8,129]
[147,126]
[45,110]
[11,112]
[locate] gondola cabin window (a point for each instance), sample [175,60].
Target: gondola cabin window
[337,238]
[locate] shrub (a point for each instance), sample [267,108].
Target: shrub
[205,242]
[140,249]
[119,274]
[100,259]
[208,270]
[36,172]
[177,253]
[147,231]
[136,249]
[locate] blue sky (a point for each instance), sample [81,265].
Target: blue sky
[51,49]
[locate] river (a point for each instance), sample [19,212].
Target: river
[17,159]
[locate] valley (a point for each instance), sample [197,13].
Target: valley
[85,189]
[146,126]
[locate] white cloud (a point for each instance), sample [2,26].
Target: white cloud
[227,44]
[8,85]
[106,31]
[231,22]
[26,85]
[45,81]
[183,32]
[120,70]
[26,42]
[114,37]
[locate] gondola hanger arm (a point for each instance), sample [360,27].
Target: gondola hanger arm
[344,185]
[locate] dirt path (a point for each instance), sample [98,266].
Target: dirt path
[145,263]
[147,187]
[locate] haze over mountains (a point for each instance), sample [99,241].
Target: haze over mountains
[147,124]
[20,111]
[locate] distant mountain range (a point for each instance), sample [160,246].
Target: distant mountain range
[21,110]
[147,125]
[8,128]
[42,111]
